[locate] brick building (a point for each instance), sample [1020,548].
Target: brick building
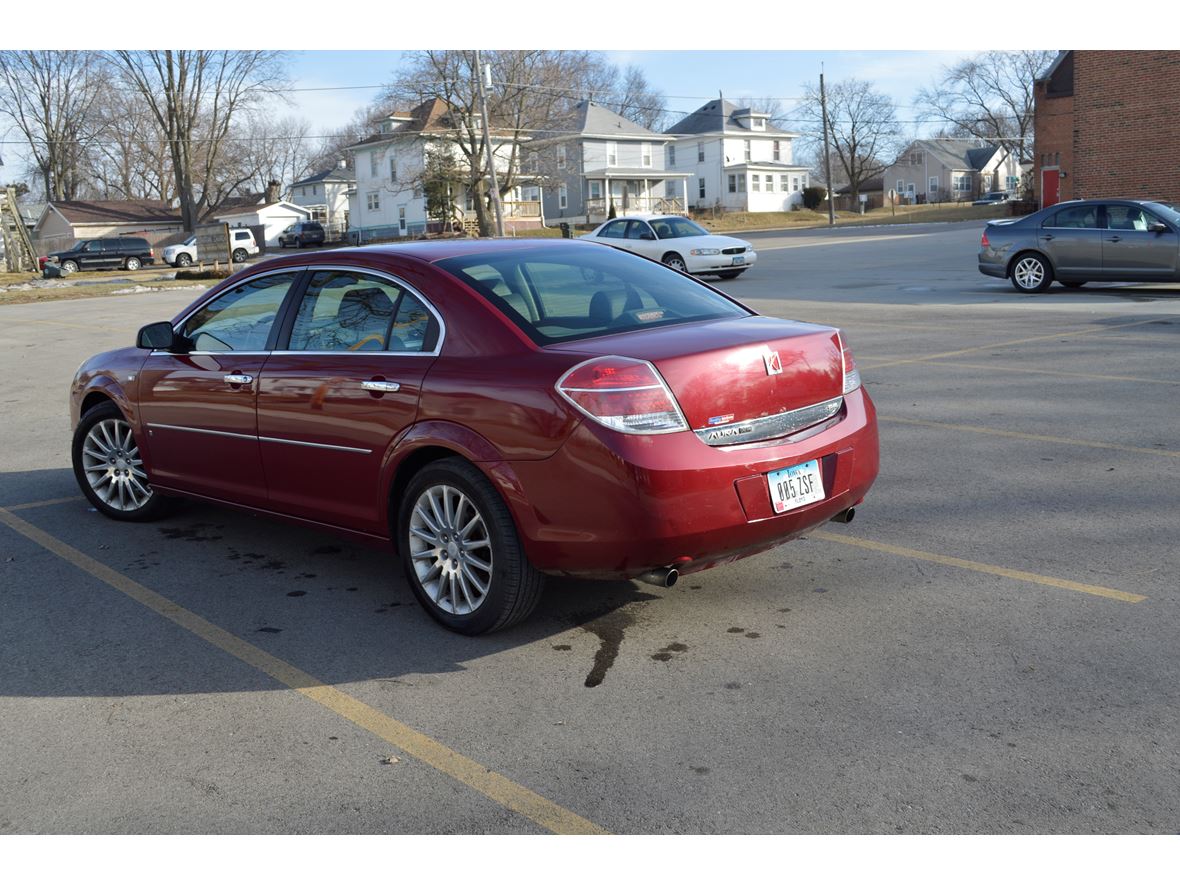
[1107,124]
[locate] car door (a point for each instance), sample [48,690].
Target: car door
[344,383]
[90,255]
[642,239]
[1072,239]
[1130,251]
[199,407]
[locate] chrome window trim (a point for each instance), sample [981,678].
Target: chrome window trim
[397,281]
[274,439]
[771,427]
[179,324]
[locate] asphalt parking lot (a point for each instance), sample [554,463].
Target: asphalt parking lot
[989,647]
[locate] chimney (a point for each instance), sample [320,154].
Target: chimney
[273,192]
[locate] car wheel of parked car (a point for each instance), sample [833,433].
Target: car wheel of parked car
[730,274]
[184,259]
[132,264]
[69,266]
[461,552]
[675,262]
[1070,284]
[239,255]
[109,469]
[1031,273]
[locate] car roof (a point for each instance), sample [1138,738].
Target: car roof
[440,250]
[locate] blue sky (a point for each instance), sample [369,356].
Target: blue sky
[688,78]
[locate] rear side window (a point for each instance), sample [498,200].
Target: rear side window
[349,311]
[241,235]
[563,294]
[1074,216]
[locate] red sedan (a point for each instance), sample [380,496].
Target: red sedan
[499,410]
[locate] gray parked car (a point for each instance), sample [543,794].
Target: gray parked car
[1081,241]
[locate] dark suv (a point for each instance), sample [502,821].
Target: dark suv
[130,253]
[302,233]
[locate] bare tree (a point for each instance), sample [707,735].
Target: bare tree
[766,105]
[131,160]
[862,128]
[633,97]
[50,95]
[989,96]
[275,150]
[195,96]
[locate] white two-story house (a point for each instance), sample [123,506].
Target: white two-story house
[390,166]
[325,195]
[737,159]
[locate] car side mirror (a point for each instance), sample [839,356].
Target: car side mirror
[1157,227]
[157,336]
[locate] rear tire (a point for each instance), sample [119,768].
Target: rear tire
[461,552]
[1031,273]
[132,264]
[109,469]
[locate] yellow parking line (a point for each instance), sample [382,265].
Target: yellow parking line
[51,501]
[984,568]
[496,787]
[1035,338]
[1088,375]
[1035,437]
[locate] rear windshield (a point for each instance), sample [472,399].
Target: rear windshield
[563,294]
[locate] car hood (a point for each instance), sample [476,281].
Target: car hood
[708,241]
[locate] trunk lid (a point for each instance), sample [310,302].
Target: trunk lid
[722,372]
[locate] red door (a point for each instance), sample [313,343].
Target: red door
[1050,187]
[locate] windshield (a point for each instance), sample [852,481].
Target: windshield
[673,227]
[557,294]
[1170,211]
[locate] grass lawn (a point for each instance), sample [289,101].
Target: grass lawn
[738,221]
[73,288]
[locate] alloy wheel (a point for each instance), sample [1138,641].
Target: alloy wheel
[450,549]
[113,468]
[1029,273]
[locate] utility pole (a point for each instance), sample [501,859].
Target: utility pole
[823,105]
[486,75]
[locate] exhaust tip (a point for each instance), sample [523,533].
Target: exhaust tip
[671,578]
[844,516]
[660,577]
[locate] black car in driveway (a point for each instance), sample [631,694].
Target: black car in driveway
[1082,241]
[129,253]
[302,233]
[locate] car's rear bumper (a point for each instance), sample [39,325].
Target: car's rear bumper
[992,266]
[612,505]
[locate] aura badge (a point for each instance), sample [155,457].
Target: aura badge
[774,364]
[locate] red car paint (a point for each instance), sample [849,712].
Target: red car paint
[586,500]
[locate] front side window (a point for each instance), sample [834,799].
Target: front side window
[638,230]
[556,295]
[1127,218]
[240,319]
[350,311]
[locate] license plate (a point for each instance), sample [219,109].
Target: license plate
[795,486]
[739,259]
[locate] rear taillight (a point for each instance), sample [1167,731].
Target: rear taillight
[983,243]
[151,253]
[624,394]
[851,373]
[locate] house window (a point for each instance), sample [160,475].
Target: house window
[962,182]
[747,150]
[373,164]
[770,183]
[933,184]
[671,155]
[670,189]
[595,190]
[315,189]
[741,184]
[777,152]
[401,218]
[701,188]
[373,200]
[755,183]
[795,182]
[417,192]
[784,183]
[1013,182]
[562,197]
[900,185]
[612,153]
[393,168]
[916,158]
[561,156]
[733,184]
[645,154]
[700,152]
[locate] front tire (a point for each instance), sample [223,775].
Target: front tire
[461,552]
[69,266]
[674,261]
[183,259]
[1031,273]
[109,469]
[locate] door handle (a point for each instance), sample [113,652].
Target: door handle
[1047,237]
[238,378]
[381,386]
[1113,239]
